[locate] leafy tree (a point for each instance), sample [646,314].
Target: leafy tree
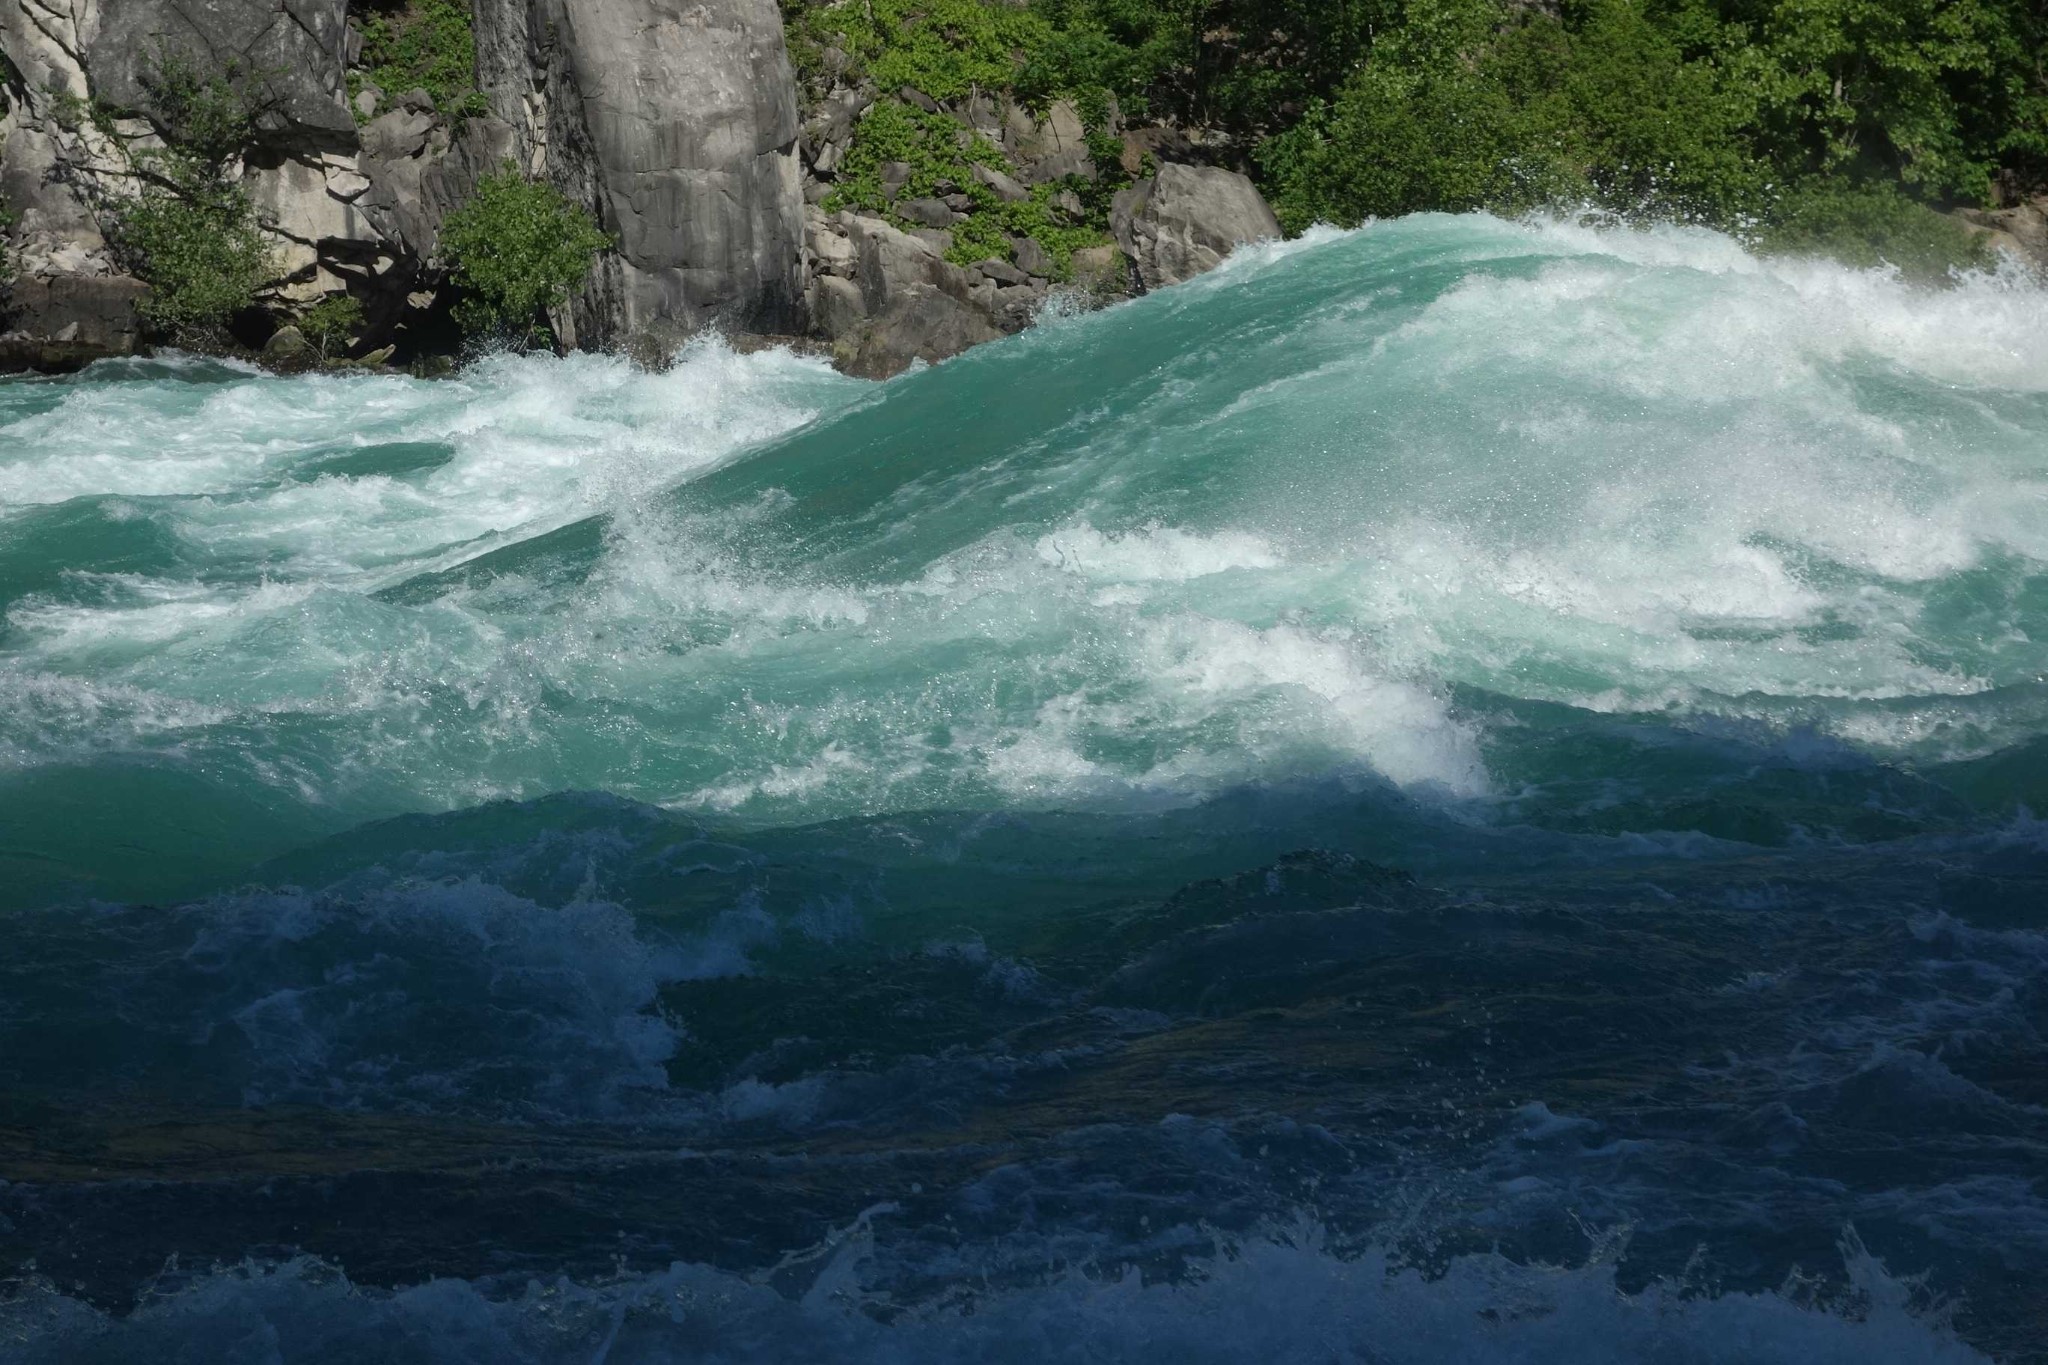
[190,232]
[516,249]
[201,253]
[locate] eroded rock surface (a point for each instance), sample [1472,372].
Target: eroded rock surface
[677,123]
[295,51]
[1184,220]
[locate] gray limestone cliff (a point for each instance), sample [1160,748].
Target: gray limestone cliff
[678,124]
[673,122]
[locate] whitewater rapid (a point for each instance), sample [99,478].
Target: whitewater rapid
[1460,790]
[1340,507]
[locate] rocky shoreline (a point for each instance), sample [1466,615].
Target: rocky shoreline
[684,130]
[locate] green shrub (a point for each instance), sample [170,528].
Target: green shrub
[932,145]
[945,48]
[424,44]
[516,249]
[332,323]
[190,233]
[940,154]
[1872,225]
[199,251]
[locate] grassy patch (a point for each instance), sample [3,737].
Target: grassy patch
[421,44]
[942,155]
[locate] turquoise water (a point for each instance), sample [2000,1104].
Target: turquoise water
[561,745]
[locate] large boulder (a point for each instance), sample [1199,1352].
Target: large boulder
[1185,220]
[60,322]
[291,52]
[2021,229]
[886,297]
[921,324]
[890,263]
[676,122]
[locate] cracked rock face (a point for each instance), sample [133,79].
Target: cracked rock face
[676,122]
[692,114]
[294,51]
[673,121]
[1186,219]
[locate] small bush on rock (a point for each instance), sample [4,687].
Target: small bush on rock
[515,250]
[331,323]
[942,157]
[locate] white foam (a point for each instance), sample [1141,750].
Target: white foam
[1626,470]
[1154,553]
[1279,1299]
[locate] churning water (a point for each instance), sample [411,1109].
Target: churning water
[1457,791]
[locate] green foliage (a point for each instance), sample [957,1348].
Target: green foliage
[1872,225]
[423,44]
[945,48]
[199,250]
[332,323]
[1932,94]
[516,248]
[941,156]
[1840,124]
[8,218]
[191,233]
[937,150]
[1246,65]
[1459,110]
[206,120]
[1699,110]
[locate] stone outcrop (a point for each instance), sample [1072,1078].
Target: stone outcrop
[70,298]
[887,285]
[676,123]
[2020,230]
[673,121]
[81,110]
[293,51]
[64,321]
[1184,220]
